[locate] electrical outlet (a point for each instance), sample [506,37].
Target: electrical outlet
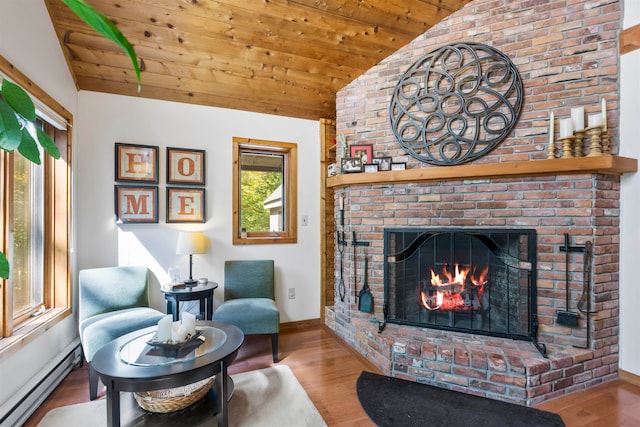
[305,220]
[292,293]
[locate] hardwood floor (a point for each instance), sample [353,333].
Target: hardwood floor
[328,369]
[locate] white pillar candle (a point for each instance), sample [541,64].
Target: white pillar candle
[595,120]
[189,322]
[551,129]
[566,128]
[604,114]
[577,117]
[178,333]
[164,328]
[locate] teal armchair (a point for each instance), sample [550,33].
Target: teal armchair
[113,301]
[249,299]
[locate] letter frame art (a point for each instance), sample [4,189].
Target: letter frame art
[136,163]
[136,204]
[186,204]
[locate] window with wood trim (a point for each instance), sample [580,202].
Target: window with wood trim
[264,191]
[34,235]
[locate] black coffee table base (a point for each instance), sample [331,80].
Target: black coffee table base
[201,412]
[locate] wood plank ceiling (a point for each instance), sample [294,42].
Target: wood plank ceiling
[283,57]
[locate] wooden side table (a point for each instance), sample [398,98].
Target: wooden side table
[203,293]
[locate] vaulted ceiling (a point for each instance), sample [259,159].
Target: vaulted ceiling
[283,57]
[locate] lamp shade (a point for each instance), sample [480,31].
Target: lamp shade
[191,242]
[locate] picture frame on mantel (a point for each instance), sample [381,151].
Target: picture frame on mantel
[136,163]
[364,151]
[185,166]
[351,164]
[186,204]
[136,204]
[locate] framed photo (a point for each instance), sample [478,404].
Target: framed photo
[384,163]
[186,167]
[371,167]
[398,166]
[364,151]
[136,204]
[351,164]
[185,204]
[136,163]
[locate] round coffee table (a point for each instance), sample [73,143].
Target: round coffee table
[130,364]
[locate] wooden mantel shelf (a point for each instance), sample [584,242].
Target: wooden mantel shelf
[608,165]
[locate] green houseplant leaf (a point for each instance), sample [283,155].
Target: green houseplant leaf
[19,100]
[28,148]
[47,143]
[104,26]
[10,129]
[4,266]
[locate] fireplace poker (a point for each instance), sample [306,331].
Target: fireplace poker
[341,244]
[586,289]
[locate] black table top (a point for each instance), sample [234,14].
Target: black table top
[190,290]
[109,364]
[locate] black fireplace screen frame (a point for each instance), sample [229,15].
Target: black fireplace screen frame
[510,255]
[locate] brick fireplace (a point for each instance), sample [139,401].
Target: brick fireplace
[566,53]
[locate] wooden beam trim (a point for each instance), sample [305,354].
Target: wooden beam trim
[206,99]
[630,39]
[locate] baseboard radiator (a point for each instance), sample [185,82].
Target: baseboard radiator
[40,387]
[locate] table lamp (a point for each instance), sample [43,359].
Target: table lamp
[189,243]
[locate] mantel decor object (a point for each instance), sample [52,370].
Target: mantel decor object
[456,103]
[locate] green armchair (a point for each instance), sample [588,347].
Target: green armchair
[113,301]
[249,299]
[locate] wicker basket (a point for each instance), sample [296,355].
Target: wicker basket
[173,399]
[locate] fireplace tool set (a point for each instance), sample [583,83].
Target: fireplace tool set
[365,297]
[569,318]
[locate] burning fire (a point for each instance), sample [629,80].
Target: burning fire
[460,291]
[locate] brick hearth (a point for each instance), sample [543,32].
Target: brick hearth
[566,53]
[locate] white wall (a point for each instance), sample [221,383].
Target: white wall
[28,41]
[105,119]
[630,202]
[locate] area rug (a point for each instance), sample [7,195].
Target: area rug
[394,402]
[262,398]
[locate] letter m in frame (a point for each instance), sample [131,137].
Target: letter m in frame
[136,204]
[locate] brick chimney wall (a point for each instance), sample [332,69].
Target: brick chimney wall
[567,55]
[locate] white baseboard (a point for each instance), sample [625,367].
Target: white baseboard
[19,408]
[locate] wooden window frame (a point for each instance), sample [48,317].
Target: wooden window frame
[290,192]
[57,223]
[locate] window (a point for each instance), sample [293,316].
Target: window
[264,191]
[35,228]
[26,253]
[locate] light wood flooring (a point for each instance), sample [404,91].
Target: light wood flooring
[328,369]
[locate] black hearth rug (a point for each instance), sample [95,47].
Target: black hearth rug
[391,402]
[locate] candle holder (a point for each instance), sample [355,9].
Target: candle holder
[595,135]
[605,142]
[567,142]
[578,149]
[551,150]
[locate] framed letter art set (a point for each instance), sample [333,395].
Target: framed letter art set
[137,200]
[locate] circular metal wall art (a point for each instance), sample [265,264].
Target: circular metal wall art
[456,104]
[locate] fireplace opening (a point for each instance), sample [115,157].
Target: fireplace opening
[477,281]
